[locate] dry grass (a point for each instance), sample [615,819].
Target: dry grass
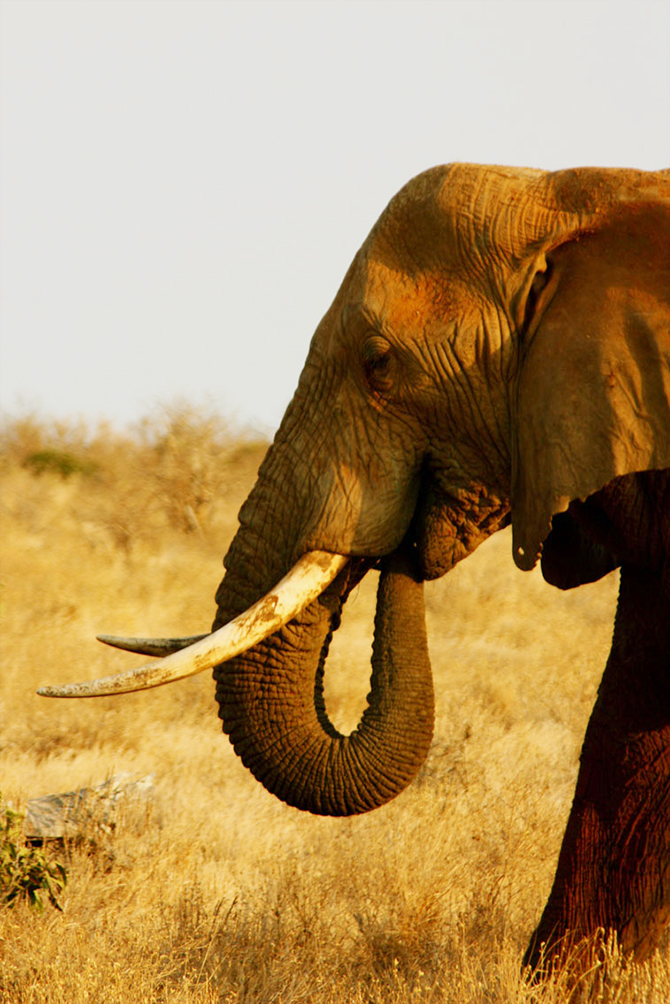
[218,892]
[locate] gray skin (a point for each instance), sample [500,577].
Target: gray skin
[498,352]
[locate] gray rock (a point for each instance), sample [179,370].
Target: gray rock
[53,817]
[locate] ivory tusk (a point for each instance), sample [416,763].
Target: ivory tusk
[160,647]
[308,578]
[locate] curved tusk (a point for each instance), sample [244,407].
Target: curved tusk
[308,578]
[160,647]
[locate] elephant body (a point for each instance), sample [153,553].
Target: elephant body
[499,351]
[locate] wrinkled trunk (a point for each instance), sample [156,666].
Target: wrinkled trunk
[271,698]
[613,872]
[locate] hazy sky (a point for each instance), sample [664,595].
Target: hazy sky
[184,184]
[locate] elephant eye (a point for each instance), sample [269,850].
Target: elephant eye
[378,363]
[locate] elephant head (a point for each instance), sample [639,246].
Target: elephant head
[498,351]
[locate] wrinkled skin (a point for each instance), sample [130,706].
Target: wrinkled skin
[499,351]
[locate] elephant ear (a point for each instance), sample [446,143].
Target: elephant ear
[594,382]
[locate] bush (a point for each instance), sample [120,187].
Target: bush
[181,468]
[26,872]
[58,462]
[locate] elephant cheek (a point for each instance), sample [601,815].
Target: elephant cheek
[362,516]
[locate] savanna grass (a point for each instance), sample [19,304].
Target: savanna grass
[216,891]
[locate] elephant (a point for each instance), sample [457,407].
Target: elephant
[498,352]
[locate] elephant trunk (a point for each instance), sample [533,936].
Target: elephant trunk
[271,697]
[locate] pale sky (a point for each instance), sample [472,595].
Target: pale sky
[183,184]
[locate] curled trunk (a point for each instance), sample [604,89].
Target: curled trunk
[272,706]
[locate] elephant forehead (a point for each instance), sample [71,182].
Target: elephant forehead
[401,299]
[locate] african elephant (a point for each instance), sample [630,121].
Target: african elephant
[499,351]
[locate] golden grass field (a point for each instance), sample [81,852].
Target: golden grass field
[216,891]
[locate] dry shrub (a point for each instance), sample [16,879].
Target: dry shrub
[176,470]
[220,893]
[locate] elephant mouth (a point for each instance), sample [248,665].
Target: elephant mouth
[450,522]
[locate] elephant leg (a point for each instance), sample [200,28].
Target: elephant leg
[613,872]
